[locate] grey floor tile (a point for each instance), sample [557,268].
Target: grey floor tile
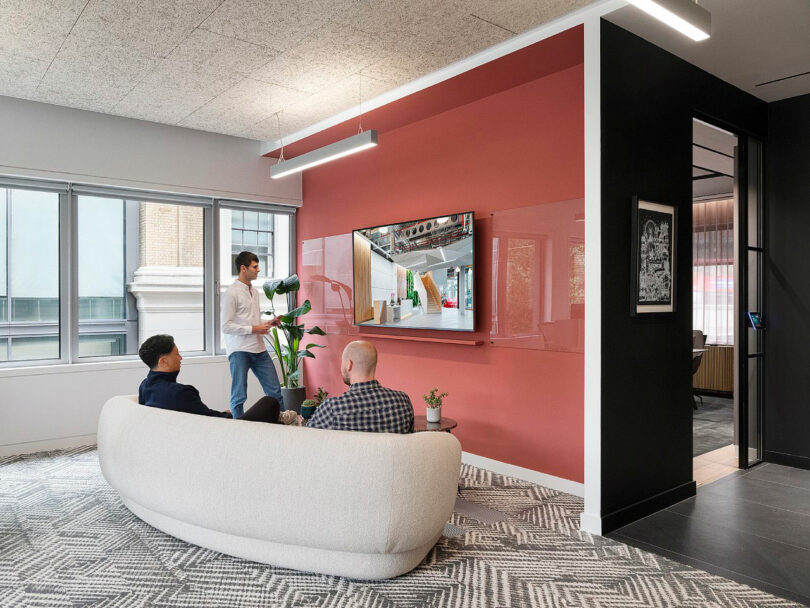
[778,564]
[769,522]
[776,473]
[745,487]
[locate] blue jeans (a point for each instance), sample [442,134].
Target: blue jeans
[263,369]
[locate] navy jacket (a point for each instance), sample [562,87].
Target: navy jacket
[161,389]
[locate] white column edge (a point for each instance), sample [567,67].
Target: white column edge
[591,517]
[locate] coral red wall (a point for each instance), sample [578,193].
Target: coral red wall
[516,148]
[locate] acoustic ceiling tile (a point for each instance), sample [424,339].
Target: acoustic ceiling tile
[460,37]
[19,76]
[82,98]
[81,54]
[36,28]
[399,20]
[204,50]
[154,25]
[279,24]
[521,15]
[294,71]
[341,45]
[268,129]
[167,103]
[400,68]
[241,106]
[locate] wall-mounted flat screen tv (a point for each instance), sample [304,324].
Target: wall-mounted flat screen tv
[416,274]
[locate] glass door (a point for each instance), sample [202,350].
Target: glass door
[752,317]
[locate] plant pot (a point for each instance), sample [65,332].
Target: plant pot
[307,411]
[293,398]
[434,414]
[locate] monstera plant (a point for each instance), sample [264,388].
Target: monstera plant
[290,351]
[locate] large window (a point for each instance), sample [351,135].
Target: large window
[713,270]
[88,272]
[140,273]
[265,233]
[29,275]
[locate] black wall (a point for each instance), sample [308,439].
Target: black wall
[786,419]
[649,98]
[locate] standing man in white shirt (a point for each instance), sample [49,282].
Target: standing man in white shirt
[244,335]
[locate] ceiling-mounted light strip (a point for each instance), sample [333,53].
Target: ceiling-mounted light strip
[339,149]
[686,16]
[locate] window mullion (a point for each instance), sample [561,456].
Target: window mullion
[68,280]
[210,283]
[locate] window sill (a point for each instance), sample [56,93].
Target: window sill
[74,368]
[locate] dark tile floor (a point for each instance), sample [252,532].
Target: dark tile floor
[752,526]
[712,425]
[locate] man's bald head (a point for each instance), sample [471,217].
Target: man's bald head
[359,362]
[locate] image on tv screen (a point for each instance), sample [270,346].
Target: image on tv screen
[416,274]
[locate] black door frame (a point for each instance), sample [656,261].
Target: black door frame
[746,358]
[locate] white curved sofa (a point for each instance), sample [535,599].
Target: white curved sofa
[361,505]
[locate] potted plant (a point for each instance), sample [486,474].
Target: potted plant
[309,405]
[434,405]
[289,353]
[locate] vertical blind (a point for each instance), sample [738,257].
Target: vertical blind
[713,270]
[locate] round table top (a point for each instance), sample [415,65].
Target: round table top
[420,424]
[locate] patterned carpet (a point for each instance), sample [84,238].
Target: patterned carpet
[712,425]
[67,540]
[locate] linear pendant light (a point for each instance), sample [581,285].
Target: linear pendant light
[686,16]
[356,143]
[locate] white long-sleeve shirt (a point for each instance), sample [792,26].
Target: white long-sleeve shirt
[240,312]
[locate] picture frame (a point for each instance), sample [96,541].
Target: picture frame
[653,275]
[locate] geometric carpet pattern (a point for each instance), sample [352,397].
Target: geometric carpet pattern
[67,540]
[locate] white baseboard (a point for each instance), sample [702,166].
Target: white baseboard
[541,479]
[591,523]
[61,443]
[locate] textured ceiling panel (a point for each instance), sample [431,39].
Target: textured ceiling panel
[147,26]
[95,68]
[36,28]
[229,65]
[464,36]
[519,15]
[19,76]
[342,45]
[239,107]
[279,24]
[294,71]
[199,69]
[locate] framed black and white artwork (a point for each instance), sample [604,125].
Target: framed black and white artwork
[653,268]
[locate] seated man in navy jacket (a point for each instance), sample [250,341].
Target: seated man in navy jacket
[161,389]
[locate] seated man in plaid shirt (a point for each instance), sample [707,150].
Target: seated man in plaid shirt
[366,406]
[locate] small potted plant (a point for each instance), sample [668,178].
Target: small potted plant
[434,405]
[309,405]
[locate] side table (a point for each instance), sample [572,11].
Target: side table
[420,424]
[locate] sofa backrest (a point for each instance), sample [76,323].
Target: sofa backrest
[348,491]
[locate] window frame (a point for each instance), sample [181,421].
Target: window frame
[235,205]
[68,317]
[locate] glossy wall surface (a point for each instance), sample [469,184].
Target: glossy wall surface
[518,148]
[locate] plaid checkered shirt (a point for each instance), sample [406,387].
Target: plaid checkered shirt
[366,406]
